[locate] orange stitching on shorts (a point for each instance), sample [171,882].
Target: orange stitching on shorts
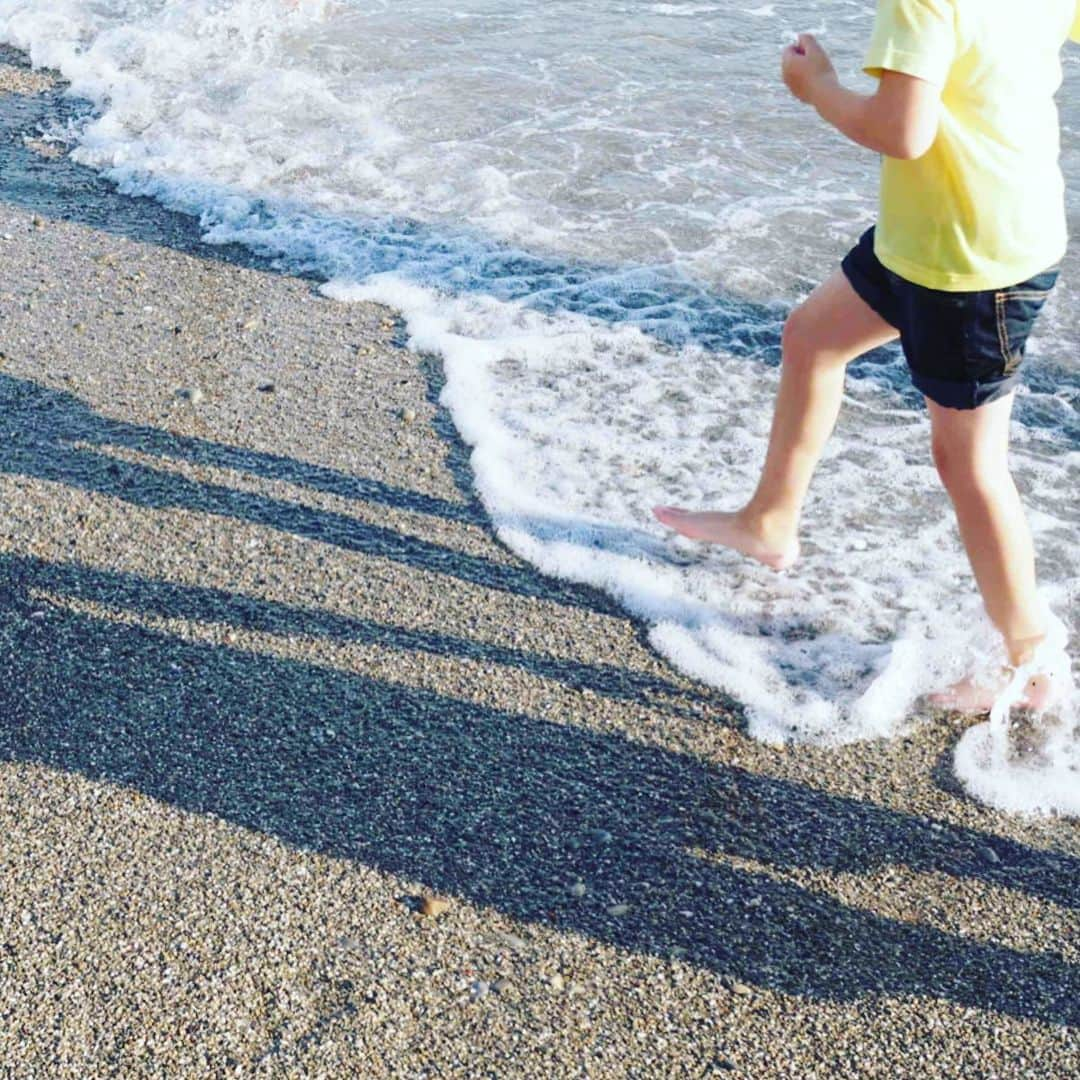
[1001,298]
[1003,335]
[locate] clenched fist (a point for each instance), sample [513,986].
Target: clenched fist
[806,66]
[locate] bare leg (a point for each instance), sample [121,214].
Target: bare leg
[970,448]
[821,337]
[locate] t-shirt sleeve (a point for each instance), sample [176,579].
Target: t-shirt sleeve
[914,37]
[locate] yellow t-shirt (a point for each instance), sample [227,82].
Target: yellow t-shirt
[985,206]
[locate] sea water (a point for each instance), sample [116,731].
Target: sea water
[598,215]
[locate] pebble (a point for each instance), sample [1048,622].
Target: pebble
[990,855]
[191,393]
[512,941]
[434,906]
[267,388]
[578,889]
[618,909]
[408,416]
[558,983]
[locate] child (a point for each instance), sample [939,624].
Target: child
[971,228]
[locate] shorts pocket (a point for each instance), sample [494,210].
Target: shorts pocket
[1015,311]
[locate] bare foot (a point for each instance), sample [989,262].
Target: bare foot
[972,697]
[731,531]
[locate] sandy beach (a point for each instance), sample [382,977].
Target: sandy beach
[303,774]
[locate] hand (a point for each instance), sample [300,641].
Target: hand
[806,67]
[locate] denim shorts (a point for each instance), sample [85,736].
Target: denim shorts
[964,349]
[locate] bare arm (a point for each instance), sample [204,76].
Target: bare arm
[899,120]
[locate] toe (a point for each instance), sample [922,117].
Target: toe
[667,513]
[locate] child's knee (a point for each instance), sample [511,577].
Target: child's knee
[797,339]
[806,343]
[968,468]
[943,457]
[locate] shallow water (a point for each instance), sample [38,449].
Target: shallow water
[599,214]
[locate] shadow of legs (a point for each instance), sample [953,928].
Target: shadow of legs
[500,808]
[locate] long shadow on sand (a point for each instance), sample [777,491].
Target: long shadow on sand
[53,435]
[501,809]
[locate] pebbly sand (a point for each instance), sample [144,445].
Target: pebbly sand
[268,682]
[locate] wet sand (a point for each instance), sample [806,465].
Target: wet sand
[268,682]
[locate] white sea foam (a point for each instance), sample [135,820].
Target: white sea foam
[1021,766]
[580,428]
[599,234]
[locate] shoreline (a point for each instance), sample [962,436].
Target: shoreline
[269,679]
